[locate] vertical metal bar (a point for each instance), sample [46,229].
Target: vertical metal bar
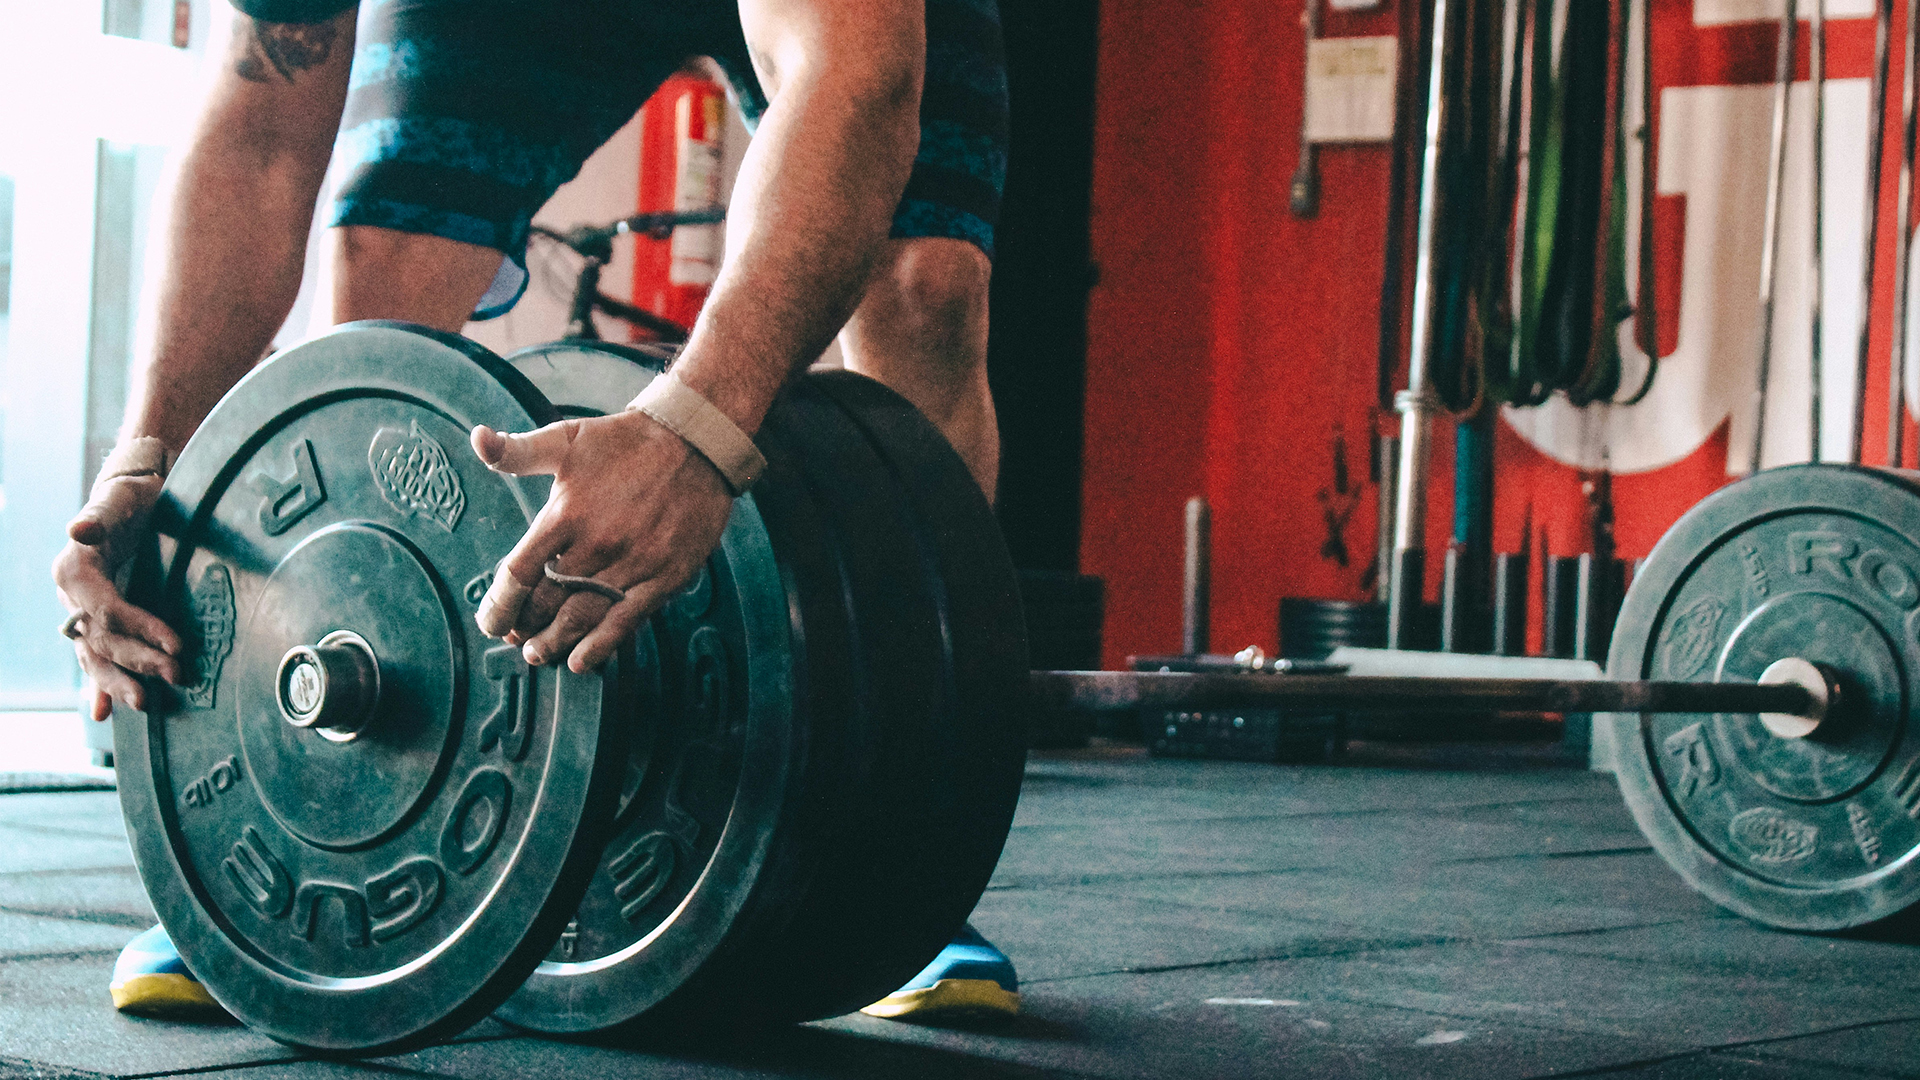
[1902,239]
[1197,592]
[1469,564]
[1560,588]
[1648,292]
[1817,75]
[1417,403]
[1409,117]
[1596,602]
[1510,604]
[1385,473]
[1770,243]
[1586,592]
[1455,609]
[1876,133]
[1303,195]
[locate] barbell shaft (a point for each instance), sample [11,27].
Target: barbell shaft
[1109,691]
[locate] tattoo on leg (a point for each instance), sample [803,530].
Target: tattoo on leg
[284,49]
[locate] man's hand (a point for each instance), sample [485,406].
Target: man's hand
[113,639]
[633,507]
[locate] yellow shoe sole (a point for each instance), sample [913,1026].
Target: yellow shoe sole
[167,996]
[947,998]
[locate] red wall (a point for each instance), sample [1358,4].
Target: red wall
[1229,341]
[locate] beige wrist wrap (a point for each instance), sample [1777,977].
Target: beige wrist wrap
[144,456]
[680,409]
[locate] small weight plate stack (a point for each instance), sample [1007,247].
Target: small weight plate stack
[852,829]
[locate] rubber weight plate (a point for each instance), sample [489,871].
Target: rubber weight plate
[709,694]
[874,854]
[1818,562]
[981,750]
[914,829]
[362,823]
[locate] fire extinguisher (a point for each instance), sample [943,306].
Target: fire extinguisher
[681,130]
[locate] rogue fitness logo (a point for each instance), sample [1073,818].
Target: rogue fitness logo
[1771,837]
[1841,557]
[1695,633]
[212,606]
[415,477]
[387,906]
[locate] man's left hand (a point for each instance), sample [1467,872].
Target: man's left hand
[633,507]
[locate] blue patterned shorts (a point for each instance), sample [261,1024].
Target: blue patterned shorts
[465,115]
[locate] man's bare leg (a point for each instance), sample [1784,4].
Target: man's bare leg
[376,273]
[921,328]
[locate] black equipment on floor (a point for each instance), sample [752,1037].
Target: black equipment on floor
[1310,629]
[1235,732]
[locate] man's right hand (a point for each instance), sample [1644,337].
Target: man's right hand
[114,640]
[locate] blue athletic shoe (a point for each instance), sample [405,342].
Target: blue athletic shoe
[969,979]
[150,979]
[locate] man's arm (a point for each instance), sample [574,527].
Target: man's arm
[235,245]
[816,193]
[242,208]
[632,505]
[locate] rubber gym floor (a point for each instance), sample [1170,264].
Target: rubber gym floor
[1460,911]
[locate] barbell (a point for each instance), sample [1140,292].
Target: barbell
[1794,693]
[365,826]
